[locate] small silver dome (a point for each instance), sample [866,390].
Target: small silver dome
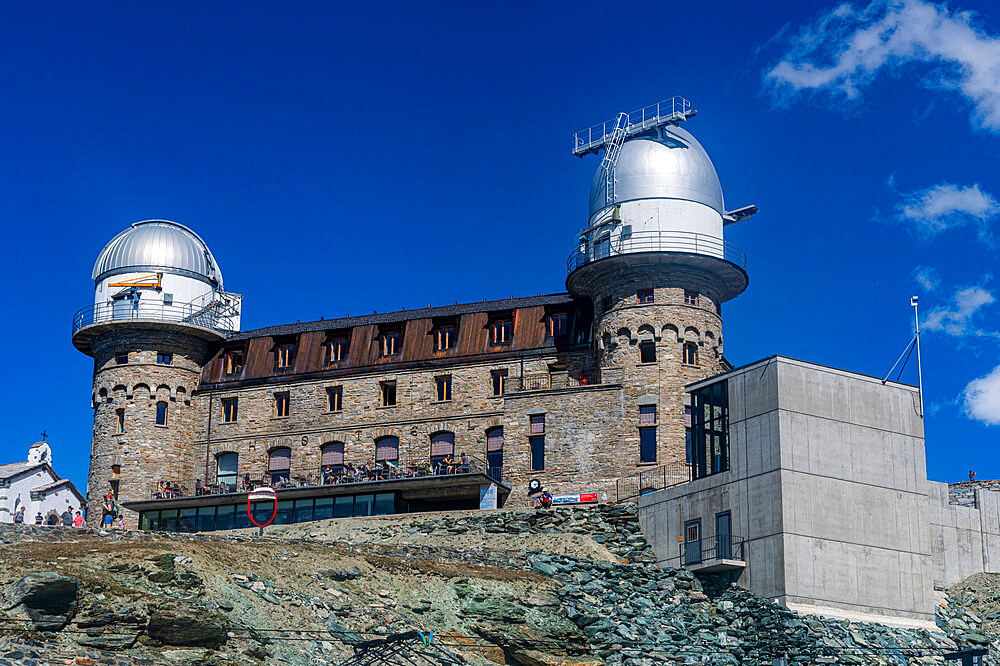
[674,166]
[160,246]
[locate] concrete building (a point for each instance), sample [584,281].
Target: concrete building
[810,488]
[576,389]
[34,485]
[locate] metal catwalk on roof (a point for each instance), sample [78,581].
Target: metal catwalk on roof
[407,649]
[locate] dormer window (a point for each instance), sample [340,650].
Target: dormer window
[389,342]
[690,297]
[284,355]
[337,349]
[232,364]
[500,331]
[557,324]
[444,337]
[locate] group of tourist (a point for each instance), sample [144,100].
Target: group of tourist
[167,489]
[67,519]
[384,470]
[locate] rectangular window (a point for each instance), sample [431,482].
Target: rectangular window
[647,414]
[164,358]
[644,296]
[444,337]
[335,398]
[230,409]
[500,331]
[281,404]
[233,364]
[120,421]
[121,358]
[537,423]
[537,453]
[387,394]
[497,380]
[338,349]
[690,353]
[284,355]
[647,444]
[557,324]
[161,413]
[442,388]
[690,297]
[389,343]
[710,430]
[647,352]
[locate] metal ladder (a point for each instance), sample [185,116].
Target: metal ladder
[612,149]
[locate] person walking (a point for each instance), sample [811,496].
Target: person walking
[19,517]
[39,519]
[67,517]
[107,514]
[78,520]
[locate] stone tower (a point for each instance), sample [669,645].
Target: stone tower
[654,264]
[159,303]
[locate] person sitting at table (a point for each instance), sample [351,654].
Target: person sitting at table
[198,488]
[447,464]
[176,490]
[465,464]
[349,473]
[166,490]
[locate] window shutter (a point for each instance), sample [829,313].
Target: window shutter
[443,444]
[647,415]
[387,448]
[537,423]
[280,460]
[333,453]
[494,440]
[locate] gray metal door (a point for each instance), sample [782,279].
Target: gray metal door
[692,542]
[724,535]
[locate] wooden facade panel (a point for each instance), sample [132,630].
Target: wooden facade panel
[528,332]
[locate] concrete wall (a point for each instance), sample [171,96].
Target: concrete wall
[964,539]
[828,485]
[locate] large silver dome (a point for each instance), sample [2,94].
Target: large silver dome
[674,166]
[161,246]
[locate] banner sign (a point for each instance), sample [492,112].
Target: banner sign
[488,496]
[582,498]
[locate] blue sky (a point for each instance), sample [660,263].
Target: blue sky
[345,158]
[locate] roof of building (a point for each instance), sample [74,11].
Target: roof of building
[158,246]
[56,484]
[9,471]
[674,166]
[405,315]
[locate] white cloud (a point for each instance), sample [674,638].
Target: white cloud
[940,207]
[844,50]
[927,278]
[982,398]
[956,319]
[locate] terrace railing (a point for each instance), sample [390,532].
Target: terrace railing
[652,480]
[655,241]
[719,547]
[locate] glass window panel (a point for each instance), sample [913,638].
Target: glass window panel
[168,520]
[303,511]
[144,520]
[225,515]
[284,515]
[385,503]
[206,518]
[323,508]
[242,518]
[363,505]
[343,507]
[186,520]
[262,511]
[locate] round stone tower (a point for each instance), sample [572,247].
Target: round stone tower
[159,303]
[655,265]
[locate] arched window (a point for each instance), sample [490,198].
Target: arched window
[690,353]
[279,464]
[442,445]
[387,449]
[225,471]
[494,452]
[332,461]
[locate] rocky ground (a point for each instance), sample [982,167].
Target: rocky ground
[565,587]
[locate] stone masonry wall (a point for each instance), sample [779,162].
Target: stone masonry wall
[144,452]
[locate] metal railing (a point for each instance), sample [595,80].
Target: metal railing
[655,241]
[652,480]
[561,380]
[338,474]
[215,314]
[719,547]
[669,111]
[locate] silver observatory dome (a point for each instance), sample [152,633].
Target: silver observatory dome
[160,246]
[673,166]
